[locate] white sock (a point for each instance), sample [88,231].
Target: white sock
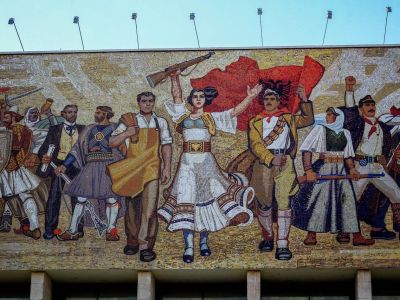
[284,222]
[78,213]
[188,239]
[31,211]
[112,210]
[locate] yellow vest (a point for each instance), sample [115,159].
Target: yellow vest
[66,143]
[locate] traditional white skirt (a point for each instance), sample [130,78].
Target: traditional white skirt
[204,198]
[17,182]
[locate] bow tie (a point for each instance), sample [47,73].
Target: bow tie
[70,128]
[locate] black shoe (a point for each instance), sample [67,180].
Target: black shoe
[131,250]
[188,258]
[81,234]
[266,245]
[283,254]
[383,234]
[396,227]
[48,235]
[205,251]
[147,255]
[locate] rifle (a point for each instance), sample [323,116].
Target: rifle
[13,101]
[322,178]
[156,78]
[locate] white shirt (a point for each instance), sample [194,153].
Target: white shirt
[283,140]
[371,146]
[316,142]
[223,120]
[66,123]
[165,135]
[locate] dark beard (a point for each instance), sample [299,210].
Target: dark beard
[99,119]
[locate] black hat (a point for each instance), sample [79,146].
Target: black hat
[366,99]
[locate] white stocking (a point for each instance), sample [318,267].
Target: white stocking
[284,222]
[78,213]
[30,209]
[112,209]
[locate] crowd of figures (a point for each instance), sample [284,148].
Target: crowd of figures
[112,170]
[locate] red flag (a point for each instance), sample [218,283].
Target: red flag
[233,81]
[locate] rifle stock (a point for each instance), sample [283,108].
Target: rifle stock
[155,78]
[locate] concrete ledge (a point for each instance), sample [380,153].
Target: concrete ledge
[41,286]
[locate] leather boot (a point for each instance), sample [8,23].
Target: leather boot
[359,240]
[311,239]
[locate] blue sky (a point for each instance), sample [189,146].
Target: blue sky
[46,25]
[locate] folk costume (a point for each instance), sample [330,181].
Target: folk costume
[203,197]
[328,206]
[271,136]
[63,136]
[17,180]
[373,146]
[136,178]
[91,154]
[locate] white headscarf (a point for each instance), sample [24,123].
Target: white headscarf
[336,126]
[28,123]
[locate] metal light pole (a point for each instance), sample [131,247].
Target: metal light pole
[134,17]
[260,12]
[192,17]
[76,21]
[388,10]
[328,17]
[11,21]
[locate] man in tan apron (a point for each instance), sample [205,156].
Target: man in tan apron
[147,140]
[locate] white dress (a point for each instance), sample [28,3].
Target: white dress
[202,196]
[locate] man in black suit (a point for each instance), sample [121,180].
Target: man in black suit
[373,146]
[63,137]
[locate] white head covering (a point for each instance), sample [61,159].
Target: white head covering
[14,108]
[336,126]
[28,123]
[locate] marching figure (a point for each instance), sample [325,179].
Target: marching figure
[62,137]
[144,136]
[15,178]
[273,140]
[373,145]
[203,197]
[91,154]
[328,206]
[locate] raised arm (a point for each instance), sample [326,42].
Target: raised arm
[176,89]
[251,94]
[306,118]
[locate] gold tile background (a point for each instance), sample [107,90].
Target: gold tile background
[115,78]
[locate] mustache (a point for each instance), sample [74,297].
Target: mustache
[371,110]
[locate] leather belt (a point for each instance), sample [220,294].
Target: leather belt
[364,160]
[331,158]
[196,146]
[278,151]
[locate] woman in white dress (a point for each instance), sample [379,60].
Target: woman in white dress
[203,197]
[328,206]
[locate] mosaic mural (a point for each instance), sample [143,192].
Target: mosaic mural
[194,159]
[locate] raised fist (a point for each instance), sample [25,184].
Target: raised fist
[350,83]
